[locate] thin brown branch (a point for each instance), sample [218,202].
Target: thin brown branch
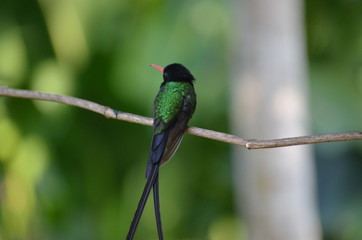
[321,138]
[219,136]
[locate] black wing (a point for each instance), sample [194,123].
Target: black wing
[165,143]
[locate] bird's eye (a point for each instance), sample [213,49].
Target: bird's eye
[165,75]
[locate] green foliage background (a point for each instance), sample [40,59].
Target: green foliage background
[66,173]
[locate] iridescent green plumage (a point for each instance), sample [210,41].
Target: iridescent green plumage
[173,108]
[170,99]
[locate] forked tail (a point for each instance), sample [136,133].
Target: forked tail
[153,177]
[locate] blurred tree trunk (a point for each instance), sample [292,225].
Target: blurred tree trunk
[275,188]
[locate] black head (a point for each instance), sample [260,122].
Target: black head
[176,72]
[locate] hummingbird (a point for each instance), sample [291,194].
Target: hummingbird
[173,107]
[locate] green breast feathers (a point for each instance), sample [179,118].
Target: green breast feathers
[170,99]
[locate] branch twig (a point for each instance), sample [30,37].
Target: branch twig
[223,137]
